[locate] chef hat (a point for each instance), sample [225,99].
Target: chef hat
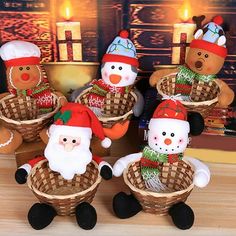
[20,53]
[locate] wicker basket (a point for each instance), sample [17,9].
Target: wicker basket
[21,114]
[64,195]
[117,107]
[177,177]
[204,96]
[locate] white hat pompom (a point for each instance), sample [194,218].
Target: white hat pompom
[106,142]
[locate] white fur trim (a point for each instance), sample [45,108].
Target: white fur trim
[73,131]
[162,122]
[103,163]
[106,142]
[26,167]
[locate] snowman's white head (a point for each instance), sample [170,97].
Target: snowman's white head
[118,74]
[168,136]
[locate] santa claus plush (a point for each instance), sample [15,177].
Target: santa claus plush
[25,76]
[68,153]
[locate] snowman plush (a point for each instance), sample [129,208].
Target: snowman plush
[119,70]
[25,76]
[167,141]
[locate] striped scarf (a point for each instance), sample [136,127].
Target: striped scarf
[185,78]
[150,162]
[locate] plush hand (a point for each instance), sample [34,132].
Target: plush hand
[77,92]
[138,106]
[201,179]
[106,172]
[118,168]
[61,98]
[21,176]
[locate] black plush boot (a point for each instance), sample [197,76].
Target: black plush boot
[41,215]
[86,215]
[125,206]
[182,215]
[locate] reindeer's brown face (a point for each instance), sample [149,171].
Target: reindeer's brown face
[204,62]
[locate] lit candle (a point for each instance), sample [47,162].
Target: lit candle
[182,35]
[69,38]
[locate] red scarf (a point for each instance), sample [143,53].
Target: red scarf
[99,91]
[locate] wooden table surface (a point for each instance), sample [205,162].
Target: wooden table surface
[214,207]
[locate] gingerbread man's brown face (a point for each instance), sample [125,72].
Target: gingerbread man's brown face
[204,62]
[24,77]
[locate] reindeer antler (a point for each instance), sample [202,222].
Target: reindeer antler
[198,20]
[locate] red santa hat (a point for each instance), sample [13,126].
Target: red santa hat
[170,110]
[20,53]
[76,120]
[121,50]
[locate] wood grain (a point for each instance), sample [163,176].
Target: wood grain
[214,207]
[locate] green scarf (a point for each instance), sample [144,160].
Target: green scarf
[186,76]
[150,162]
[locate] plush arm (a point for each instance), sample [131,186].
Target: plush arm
[138,106]
[61,98]
[226,95]
[157,75]
[78,91]
[123,162]
[104,167]
[202,173]
[23,171]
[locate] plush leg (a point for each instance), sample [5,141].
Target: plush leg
[125,206]
[86,215]
[41,215]
[182,215]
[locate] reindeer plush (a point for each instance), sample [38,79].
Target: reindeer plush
[204,60]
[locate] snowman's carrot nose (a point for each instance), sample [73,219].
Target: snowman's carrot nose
[115,79]
[167,141]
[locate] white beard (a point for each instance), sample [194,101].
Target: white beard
[67,163]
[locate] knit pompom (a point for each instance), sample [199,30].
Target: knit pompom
[218,20]
[106,143]
[124,34]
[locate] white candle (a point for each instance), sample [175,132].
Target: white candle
[182,35]
[69,41]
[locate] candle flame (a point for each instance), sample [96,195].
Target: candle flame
[66,10]
[185,11]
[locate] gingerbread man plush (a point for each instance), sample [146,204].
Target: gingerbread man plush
[25,76]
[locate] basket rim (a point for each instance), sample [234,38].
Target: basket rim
[60,197]
[106,119]
[28,122]
[187,103]
[150,193]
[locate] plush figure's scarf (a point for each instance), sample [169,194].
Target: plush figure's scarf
[98,93]
[150,162]
[41,93]
[185,78]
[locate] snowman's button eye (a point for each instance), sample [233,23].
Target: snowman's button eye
[163,133]
[199,53]
[21,68]
[27,68]
[120,68]
[73,141]
[64,139]
[172,134]
[112,67]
